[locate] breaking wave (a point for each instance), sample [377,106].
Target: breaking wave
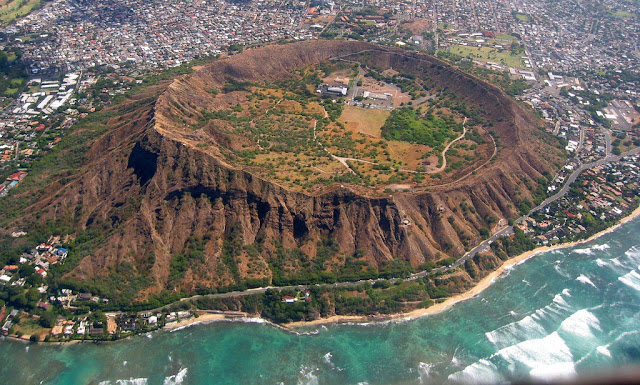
[425,371]
[307,376]
[177,378]
[482,371]
[581,323]
[631,279]
[586,280]
[130,381]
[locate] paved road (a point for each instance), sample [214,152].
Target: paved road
[607,141]
[572,178]
[484,246]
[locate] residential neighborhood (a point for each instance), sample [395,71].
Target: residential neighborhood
[575,67]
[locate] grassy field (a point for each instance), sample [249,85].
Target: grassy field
[12,10]
[29,326]
[488,54]
[364,120]
[522,17]
[623,15]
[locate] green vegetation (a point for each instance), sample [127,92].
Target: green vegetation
[502,56]
[405,124]
[524,18]
[13,73]
[381,298]
[506,248]
[192,254]
[501,79]
[623,15]
[13,10]
[234,85]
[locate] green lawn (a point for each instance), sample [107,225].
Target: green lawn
[623,15]
[488,54]
[13,10]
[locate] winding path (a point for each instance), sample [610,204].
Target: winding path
[444,152]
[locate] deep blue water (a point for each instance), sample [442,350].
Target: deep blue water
[563,313]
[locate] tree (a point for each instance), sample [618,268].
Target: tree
[48,319]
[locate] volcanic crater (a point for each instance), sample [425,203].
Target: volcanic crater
[243,171]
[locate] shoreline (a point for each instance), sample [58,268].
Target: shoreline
[202,318]
[478,288]
[207,317]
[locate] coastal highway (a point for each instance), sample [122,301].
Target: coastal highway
[483,246]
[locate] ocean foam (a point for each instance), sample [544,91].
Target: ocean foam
[132,381]
[177,378]
[601,247]
[559,371]
[307,376]
[515,331]
[617,262]
[633,253]
[604,350]
[557,299]
[425,371]
[590,250]
[581,323]
[602,263]
[327,358]
[584,279]
[482,371]
[537,353]
[540,289]
[631,279]
[587,251]
[562,273]
[255,320]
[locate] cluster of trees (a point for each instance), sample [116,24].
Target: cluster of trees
[513,246]
[501,79]
[405,124]
[235,85]
[13,73]
[192,254]
[383,297]
[334,109]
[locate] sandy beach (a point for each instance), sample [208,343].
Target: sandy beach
[208,317]
[477,289]
[204,317]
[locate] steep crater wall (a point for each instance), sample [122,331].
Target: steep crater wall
[156,193]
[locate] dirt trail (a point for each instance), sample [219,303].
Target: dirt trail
[444,152]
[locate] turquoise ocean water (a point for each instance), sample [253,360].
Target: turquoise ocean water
[568,311]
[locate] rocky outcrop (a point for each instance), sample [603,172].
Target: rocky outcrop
[155,192]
